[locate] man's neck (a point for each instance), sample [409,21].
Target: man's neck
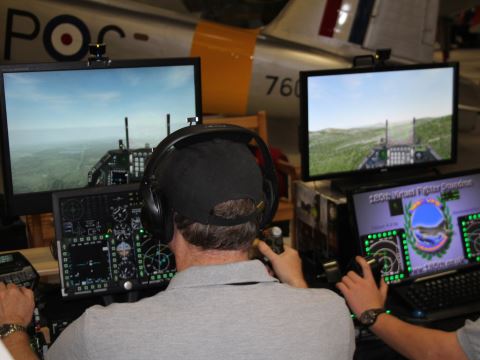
[199,257]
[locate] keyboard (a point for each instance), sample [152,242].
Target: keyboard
[15,268]
[448,296]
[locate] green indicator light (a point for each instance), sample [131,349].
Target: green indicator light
[352,316]
[409,268]
[171,274]
[374,236]
[369,236]
[396,277]
[475,216]
[367,248]
[470,255]
[404,235]
[394,232]
[388,311]
[405,242]
[402,276]
[142,231]
[384,234]
[367,242]
[463,222]
[469,217]
[478,258]
[389,233]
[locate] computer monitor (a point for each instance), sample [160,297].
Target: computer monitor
[420,227]
[362,120]
[69,125]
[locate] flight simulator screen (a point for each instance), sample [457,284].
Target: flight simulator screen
[73,128]
[421,228]
[365,120]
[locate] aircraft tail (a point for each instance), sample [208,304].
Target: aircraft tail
[358,27]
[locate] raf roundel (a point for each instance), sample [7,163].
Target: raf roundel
[66,38]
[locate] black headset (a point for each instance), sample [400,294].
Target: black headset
[157,215]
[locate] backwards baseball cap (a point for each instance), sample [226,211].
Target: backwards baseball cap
[202,175]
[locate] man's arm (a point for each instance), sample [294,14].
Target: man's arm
[414,342]
[16,307]
[287,265]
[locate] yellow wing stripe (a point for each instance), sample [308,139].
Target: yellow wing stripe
[226,59]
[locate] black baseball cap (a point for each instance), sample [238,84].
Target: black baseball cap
[202,175]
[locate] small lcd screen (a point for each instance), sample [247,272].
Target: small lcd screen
[421,228]
[359,120]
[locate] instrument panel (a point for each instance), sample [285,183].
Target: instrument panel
[102,245]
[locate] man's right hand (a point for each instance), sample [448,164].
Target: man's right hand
[287,265]
[16,305]
[362,293]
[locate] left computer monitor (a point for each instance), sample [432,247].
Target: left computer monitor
[68,125]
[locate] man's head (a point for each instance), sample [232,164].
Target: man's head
[206,180]
[214,190]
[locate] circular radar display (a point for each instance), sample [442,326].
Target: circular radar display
[473,233]
[156,256]
[388,256]
[72,210]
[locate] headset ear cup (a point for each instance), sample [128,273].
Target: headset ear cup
[151,210]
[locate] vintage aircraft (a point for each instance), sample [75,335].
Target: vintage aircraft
[243,70]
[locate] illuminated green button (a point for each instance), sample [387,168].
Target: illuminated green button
[409,268]
[389,233]
[384,234]
[402,276]
[369,236]
[394,232]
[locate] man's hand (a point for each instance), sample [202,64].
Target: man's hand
[287,265]
[361,293]
[16,305]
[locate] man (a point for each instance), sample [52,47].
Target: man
[220,305]
[412,341]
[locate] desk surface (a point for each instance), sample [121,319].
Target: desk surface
[42,260]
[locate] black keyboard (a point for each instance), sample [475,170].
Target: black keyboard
[453,294]
[15,268]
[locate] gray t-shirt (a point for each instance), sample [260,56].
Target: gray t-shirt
[469,338]
[235,311]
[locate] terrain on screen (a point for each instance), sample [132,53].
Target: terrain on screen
[57,166]
[341,150]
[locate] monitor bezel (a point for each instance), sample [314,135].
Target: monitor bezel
[41,202]
[358,249]
[303,127]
